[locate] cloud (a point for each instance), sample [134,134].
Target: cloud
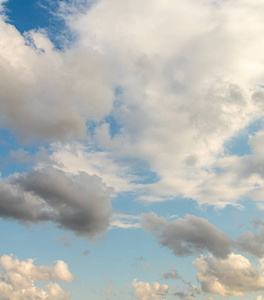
[187,236]
[59,90]
[77,157]
[80,203]
[145,291]
[171,275]
[232,276]
[145,87]
[169,80]
[17,280]
[184,296]
[125,221]
[252,243]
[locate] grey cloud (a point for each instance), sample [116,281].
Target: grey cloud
[188,236]
[232,276]
[252,243]
[80,203]
[171,275]
[184,296]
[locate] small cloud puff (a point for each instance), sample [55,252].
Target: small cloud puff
[145,291]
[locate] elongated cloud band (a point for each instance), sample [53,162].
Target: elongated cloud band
[80,202]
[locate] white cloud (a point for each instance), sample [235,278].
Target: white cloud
[76,158]
[27,268]
[232,276]
[17,280]
[47,93]
[125,221]
[189,80]
[145,291]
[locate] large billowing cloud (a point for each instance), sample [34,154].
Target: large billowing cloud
[189,79]
[145,291]
[80,202]
[186,77]
[190,235]
[232,276]
[17,280]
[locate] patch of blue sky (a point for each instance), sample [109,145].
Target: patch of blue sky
[238,144]
[114,126]
[29,15]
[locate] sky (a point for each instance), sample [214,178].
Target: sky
[131,149]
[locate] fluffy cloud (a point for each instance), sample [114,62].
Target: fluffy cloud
[17,279]
[49,93]
[178,101]
[145,291]
[80,202]
[188,236]
[185,84]
[27,268]
[77,157]
[232,276]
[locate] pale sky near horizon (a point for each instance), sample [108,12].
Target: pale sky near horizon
[131,149]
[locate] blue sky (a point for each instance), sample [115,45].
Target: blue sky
[131,150]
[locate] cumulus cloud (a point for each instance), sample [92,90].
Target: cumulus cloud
[165,81]
[27,268]
[17,280]
[168,82]
[80,203]
[56,92]
[187,236]
[145,291]
[232,276]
